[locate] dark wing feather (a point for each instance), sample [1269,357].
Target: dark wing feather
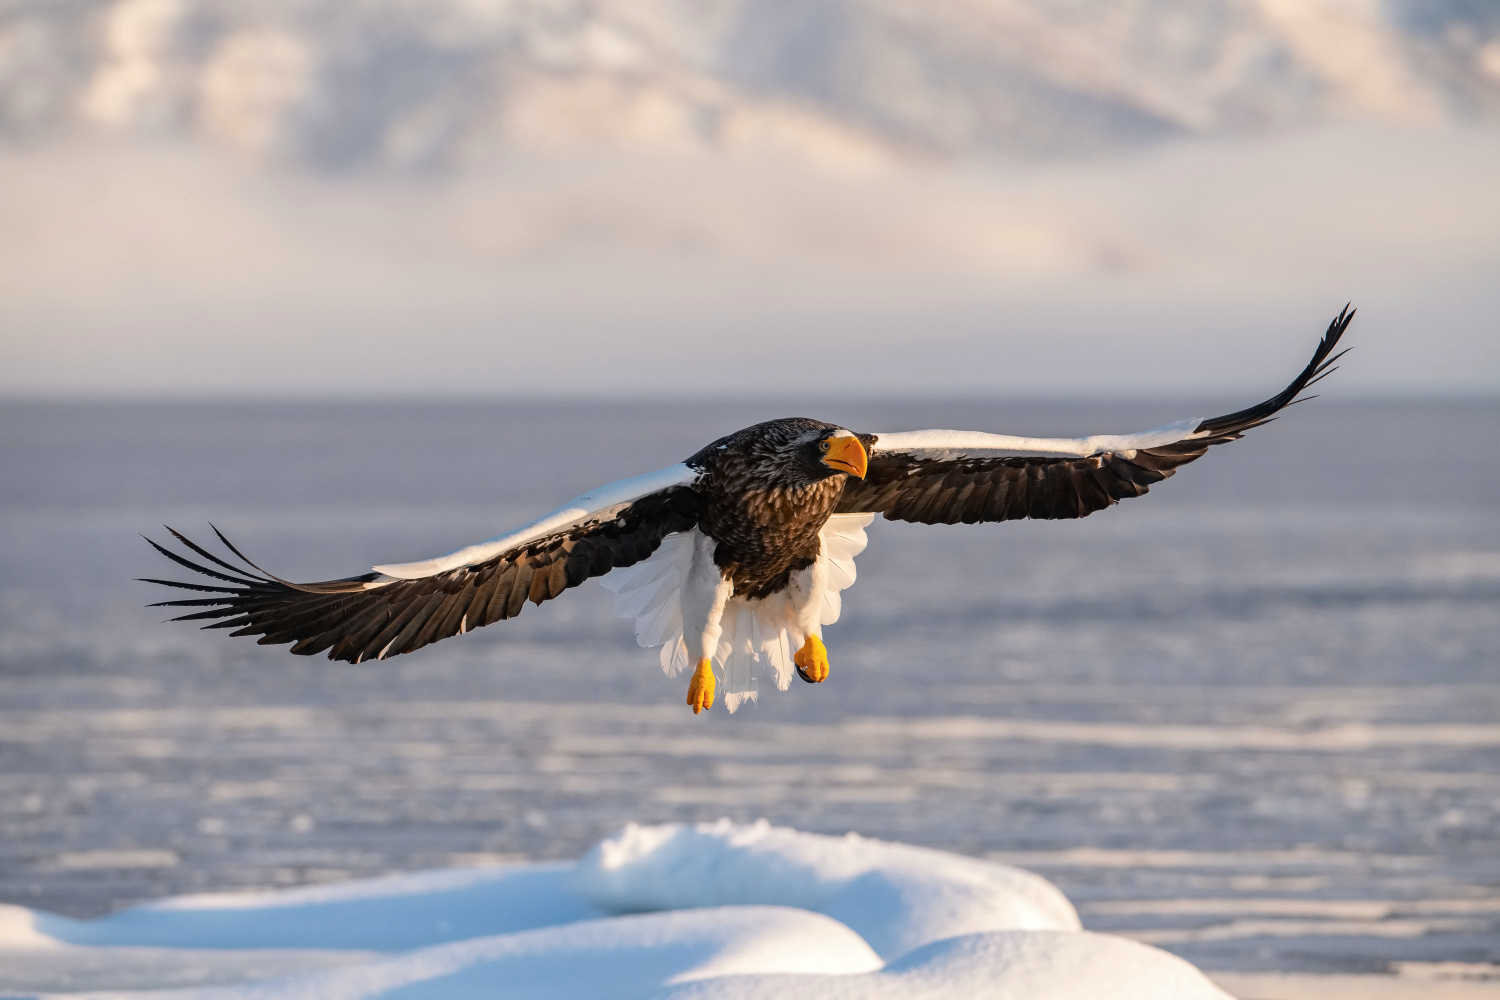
[354,622]
[963,489]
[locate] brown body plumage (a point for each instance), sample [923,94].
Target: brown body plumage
[764,509]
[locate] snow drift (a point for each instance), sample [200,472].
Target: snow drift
[718,910]
[895,896]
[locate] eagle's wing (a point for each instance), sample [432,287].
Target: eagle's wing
[398,608]
[946,477]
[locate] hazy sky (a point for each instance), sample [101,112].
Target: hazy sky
[652,197]
[166,269]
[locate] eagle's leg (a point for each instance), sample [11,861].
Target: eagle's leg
[805,595]
[701,688]
[812,661]
[705,592]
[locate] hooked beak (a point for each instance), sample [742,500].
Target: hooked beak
[847,454]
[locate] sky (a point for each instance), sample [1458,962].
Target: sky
[1025,237]
[140,271]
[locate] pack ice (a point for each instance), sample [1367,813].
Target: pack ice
[718,911]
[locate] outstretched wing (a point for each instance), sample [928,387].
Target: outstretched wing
[943,477]
[396,609]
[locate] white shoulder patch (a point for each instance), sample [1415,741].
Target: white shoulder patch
[595,505]
[978,441]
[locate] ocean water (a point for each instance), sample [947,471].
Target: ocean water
[1253,717]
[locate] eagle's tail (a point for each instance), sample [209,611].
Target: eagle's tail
[759,637]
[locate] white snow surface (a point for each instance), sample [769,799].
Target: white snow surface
[719,910]
[896,896]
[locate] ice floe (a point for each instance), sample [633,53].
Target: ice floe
[718,911]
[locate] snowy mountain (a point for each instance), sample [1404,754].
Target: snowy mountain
[348,83]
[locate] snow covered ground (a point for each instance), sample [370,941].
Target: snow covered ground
[712,911]
[1248,719]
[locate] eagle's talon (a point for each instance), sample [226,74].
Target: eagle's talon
[700,694]
[812,661]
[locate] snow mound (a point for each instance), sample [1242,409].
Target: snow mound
[384,914]
[897,897]
[711,912]
[623,957]
[1014,965]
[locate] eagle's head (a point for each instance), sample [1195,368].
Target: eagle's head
[823,452]
[840,451]
[790,452]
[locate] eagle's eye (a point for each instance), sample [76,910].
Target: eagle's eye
[823,445]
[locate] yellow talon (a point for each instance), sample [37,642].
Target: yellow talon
[701,687]
[812,661]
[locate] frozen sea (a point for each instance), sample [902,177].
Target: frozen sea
[1252,718]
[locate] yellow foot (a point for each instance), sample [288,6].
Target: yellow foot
[701,687]
[812,661]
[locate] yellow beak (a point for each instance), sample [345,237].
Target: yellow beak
[846,454]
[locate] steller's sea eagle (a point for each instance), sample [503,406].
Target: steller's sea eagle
[736,555]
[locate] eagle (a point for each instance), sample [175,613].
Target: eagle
[735,557]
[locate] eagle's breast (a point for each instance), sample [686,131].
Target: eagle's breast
[763,514]
[766,534]
[763,504]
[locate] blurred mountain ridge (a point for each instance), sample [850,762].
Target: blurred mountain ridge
[846,84]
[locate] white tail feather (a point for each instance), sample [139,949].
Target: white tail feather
[759,637]
[737,655]
[674,656]
[649,592]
